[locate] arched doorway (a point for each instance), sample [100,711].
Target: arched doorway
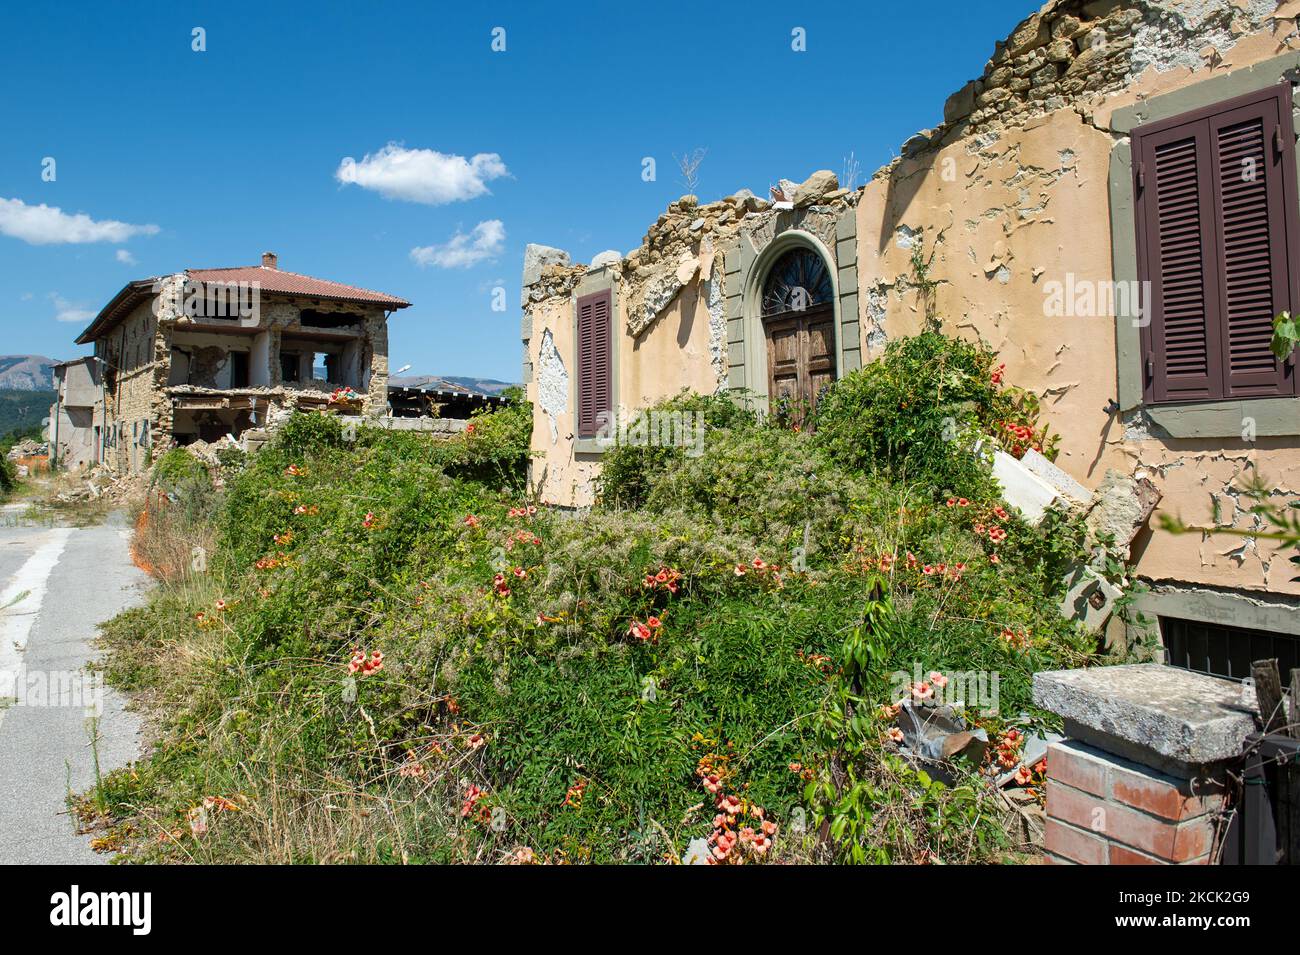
[797,310]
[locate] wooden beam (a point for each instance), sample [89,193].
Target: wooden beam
[1268,690]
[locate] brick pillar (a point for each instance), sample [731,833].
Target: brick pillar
[1105,810]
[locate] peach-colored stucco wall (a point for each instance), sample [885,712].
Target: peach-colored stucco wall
[1004,215]
[671,355]
[1006,219]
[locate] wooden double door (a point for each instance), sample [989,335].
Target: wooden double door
[800,360]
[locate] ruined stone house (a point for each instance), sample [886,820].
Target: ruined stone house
[204,353]
[1107,148]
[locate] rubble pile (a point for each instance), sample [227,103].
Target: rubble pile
[27,448]
[98,484]
[937,738]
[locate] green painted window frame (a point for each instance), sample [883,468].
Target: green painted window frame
[599,280]
[1217,418]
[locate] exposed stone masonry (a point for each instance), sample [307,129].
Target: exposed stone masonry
[1074,52]
[680,247]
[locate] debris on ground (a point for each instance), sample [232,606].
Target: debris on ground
[27,448]
[938,735]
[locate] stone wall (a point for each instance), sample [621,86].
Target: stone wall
[1075,52]
[135,378]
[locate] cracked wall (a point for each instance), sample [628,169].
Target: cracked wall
[1016,214]
[1009,202]
[681,346]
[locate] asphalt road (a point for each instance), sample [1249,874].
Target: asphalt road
[56,585]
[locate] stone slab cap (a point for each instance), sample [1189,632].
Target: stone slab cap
[1148,709]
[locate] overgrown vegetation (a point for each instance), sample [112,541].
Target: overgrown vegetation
[390,654]
[8,473]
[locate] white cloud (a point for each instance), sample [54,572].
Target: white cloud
[65,311]
[48,225]
[482,243]
[125,257]
[422,175]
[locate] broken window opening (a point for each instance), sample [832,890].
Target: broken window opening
[239,369]
[314,318]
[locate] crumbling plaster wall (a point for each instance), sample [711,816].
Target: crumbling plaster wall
[1006,196]
[680,347]
[677,318]
[1011,201]
[557,474]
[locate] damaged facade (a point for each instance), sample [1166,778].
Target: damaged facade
[204,353]
[1105,145]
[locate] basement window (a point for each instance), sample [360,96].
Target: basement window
[1225,651]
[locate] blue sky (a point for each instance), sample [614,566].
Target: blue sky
[215,156]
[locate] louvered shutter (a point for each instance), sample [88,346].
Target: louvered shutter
[595,371]
[1181,353]
[1217,233]
[1250,148]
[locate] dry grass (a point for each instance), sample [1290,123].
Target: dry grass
[168,544]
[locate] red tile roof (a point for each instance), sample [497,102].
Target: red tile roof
[269,279]
[291,283]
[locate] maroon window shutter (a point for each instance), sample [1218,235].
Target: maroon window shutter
[1217,215]
[1176,241]
[1253,148]
[595,365]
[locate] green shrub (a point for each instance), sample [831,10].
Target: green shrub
[494,447]
[176,467]
[8,473]
[512,657]
[627,470]
[917,412]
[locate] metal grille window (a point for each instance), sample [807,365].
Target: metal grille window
[1226,651]
[1218,237]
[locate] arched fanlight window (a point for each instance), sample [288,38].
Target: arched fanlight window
[798,281]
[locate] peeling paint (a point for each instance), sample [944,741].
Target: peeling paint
[713,292]
[552,382]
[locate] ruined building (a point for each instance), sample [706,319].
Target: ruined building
[1106,148]
[209,352]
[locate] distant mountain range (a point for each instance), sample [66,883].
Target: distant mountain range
[26,373]
[477,386]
